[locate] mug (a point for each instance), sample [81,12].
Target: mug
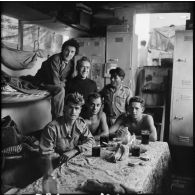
[145,136]
[135,150]
[96,151]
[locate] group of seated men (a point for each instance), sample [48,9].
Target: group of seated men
[81,114]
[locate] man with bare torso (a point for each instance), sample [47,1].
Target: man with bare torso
[135,120]
[95,117]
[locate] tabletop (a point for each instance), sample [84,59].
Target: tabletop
[144,177]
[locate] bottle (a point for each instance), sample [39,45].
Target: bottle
[49,183]
[126,136]
[135,147]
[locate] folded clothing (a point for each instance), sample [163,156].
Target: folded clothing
[20,149]
[12,150]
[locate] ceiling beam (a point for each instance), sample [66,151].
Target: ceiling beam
[50,20]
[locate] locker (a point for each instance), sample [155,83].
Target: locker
[183,60]
[92,46]
[181,118]
[118,49]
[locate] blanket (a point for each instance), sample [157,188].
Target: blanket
[18,59]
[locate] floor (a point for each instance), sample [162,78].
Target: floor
[182,177]
[21,172]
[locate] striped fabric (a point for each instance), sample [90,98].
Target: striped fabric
[12,150]
[27,143]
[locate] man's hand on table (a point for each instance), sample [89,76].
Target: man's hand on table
[67,156]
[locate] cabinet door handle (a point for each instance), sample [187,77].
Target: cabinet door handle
[181,60]
[178,118]
[113,60]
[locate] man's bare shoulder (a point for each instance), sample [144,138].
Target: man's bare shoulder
[102,115]
[147,117]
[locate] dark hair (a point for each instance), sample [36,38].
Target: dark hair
[80,61]
[117,71]
[75,98]
[73,43]
[93,95]
[137,99]
[143,42]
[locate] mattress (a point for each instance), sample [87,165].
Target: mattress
[10,95]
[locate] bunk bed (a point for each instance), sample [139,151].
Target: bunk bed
[29,107]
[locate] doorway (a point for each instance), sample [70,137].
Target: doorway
[157,30]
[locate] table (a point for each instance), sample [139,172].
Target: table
[147,178]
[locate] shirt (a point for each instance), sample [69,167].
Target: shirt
[54,71]
[55,138]
[115,101]
[82,86]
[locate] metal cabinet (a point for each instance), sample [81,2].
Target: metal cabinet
[181,118]
[115,48]
[118,49]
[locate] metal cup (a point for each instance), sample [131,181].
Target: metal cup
[96,151]
[145,136]
[135,150]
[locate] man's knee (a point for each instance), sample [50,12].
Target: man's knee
[59,90]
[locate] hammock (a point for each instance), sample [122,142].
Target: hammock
[19,60]
[163,38]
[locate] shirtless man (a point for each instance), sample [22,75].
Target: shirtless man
[95,117]
[135,120]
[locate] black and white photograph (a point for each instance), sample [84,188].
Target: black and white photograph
[97,97]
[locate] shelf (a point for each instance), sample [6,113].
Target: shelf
[153,91]
[154,106]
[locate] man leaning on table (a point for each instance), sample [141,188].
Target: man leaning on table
[135,120]
[67,135]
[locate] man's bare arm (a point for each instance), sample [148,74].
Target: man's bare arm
[115,126]
[151,127]
[104,125]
